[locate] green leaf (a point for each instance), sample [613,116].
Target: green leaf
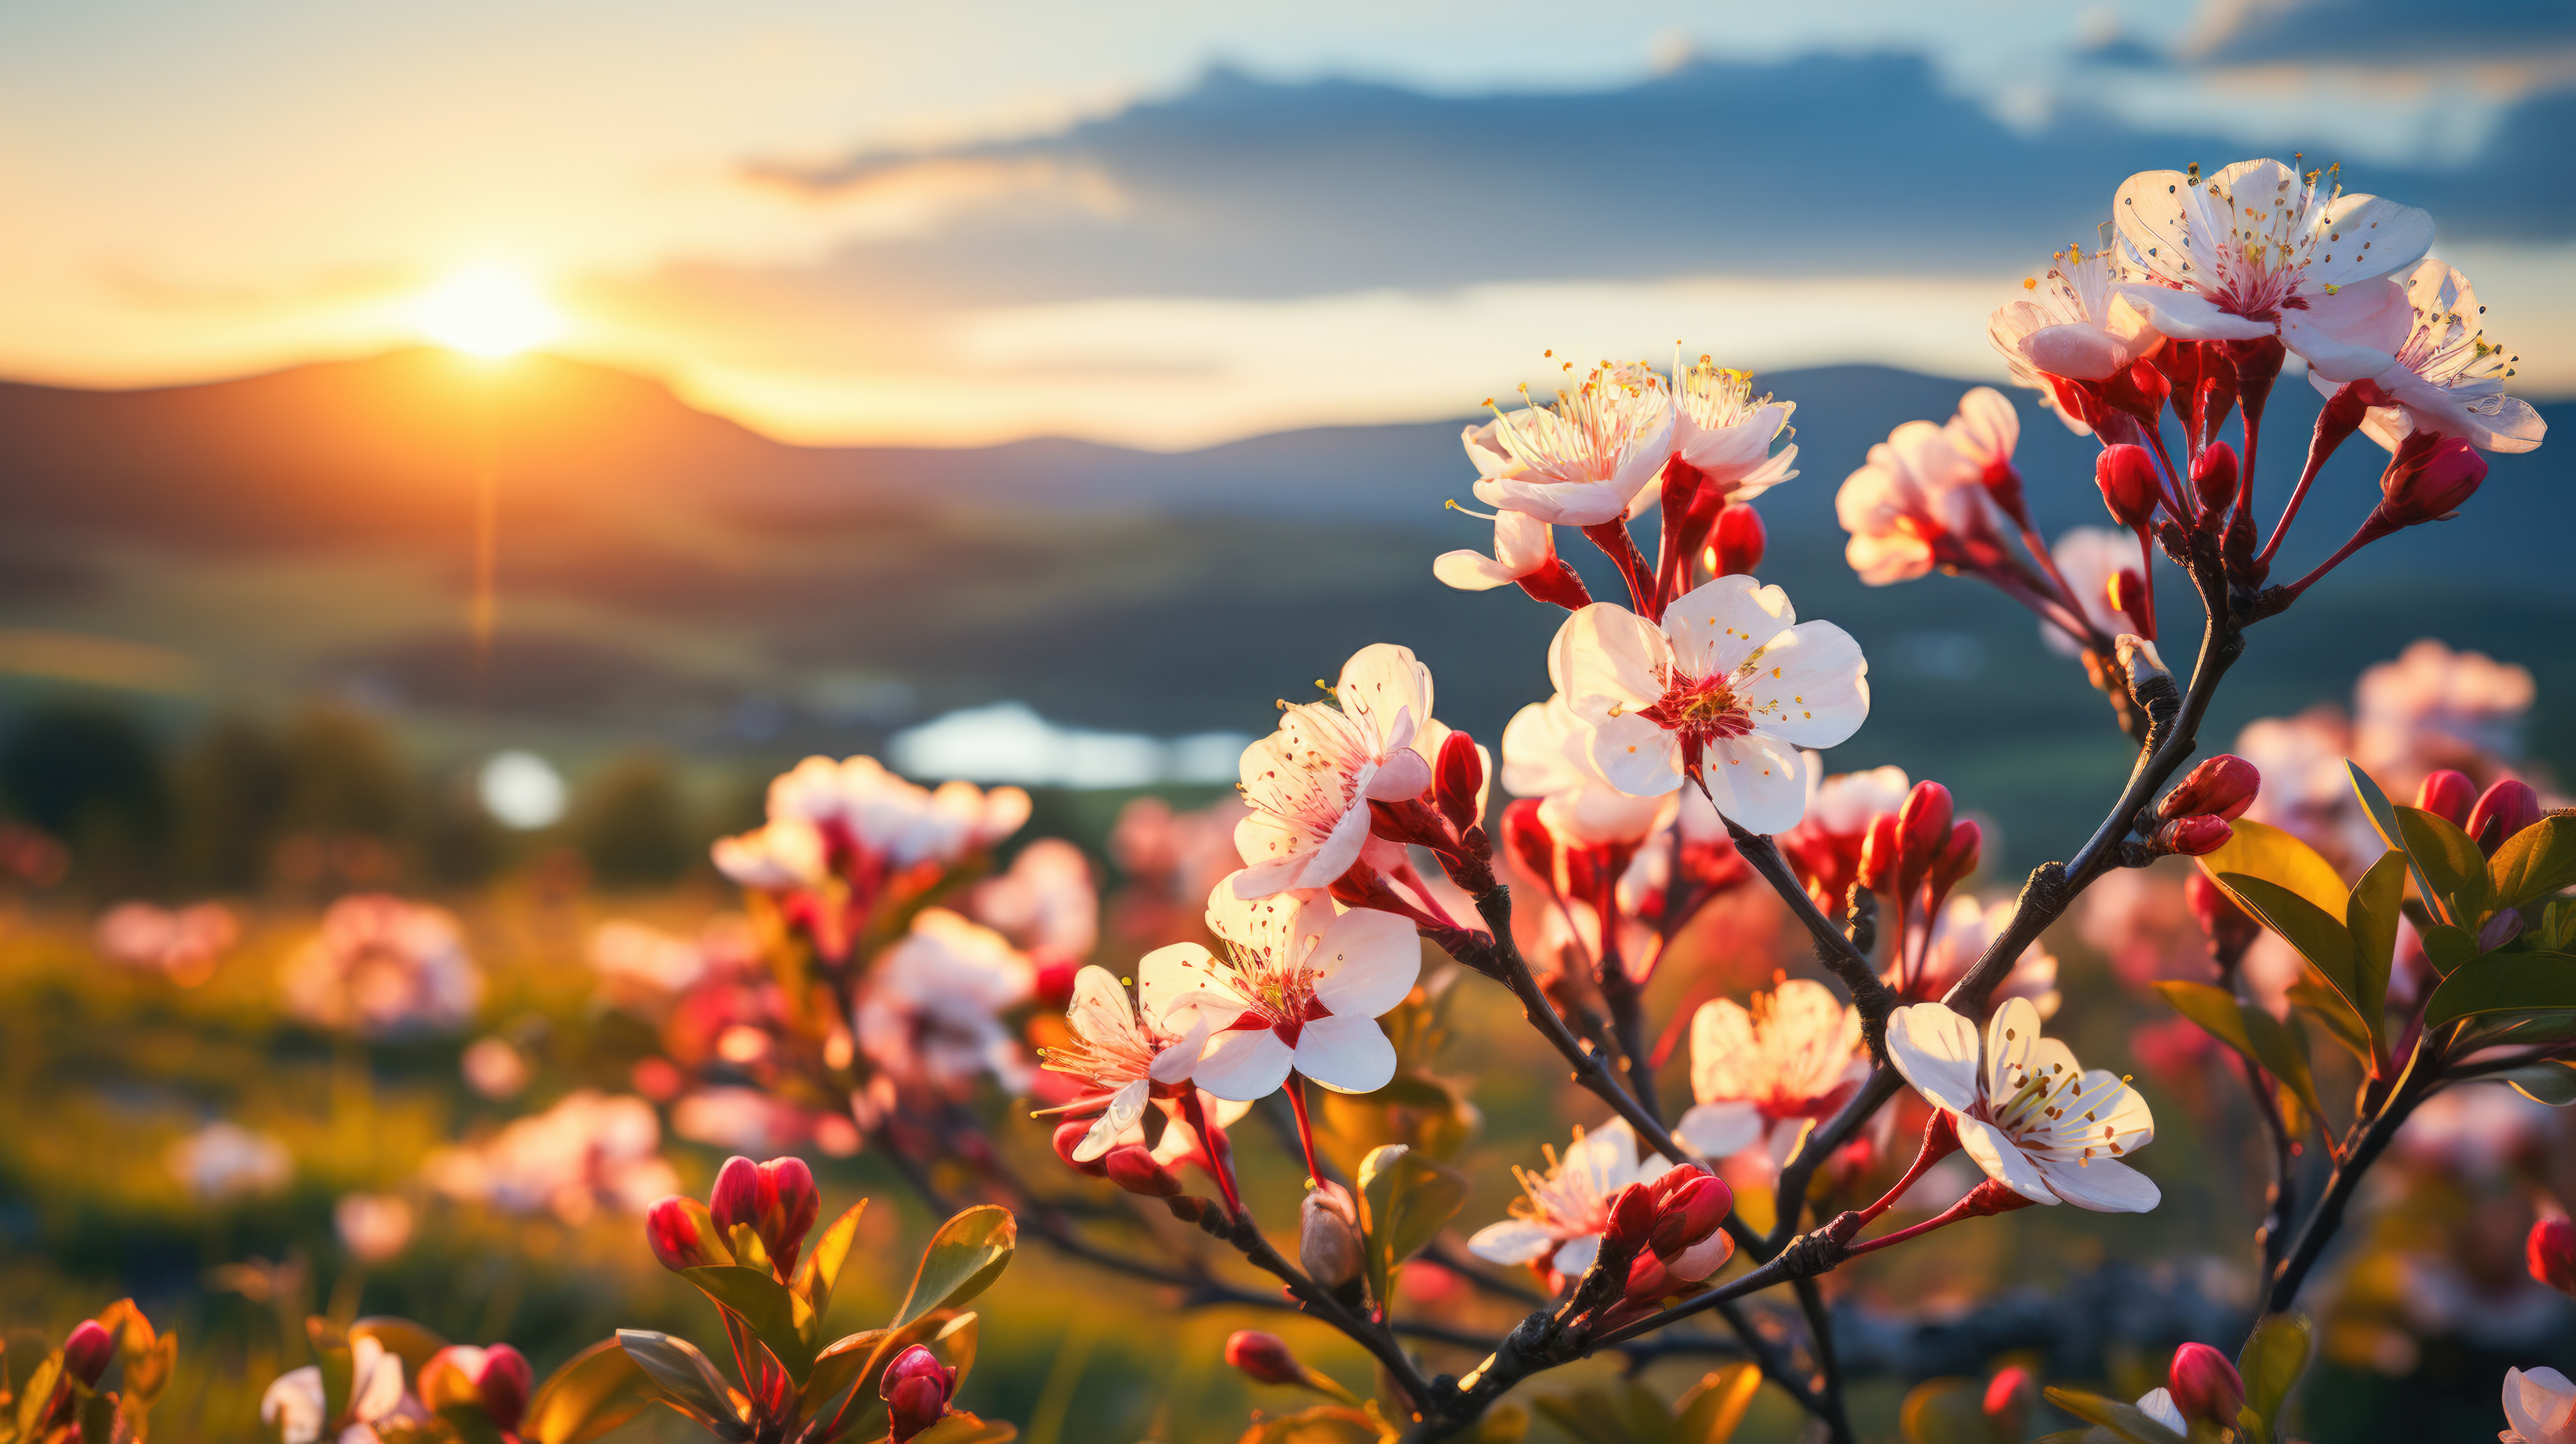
[2448,857]
[964,1257]
[2370,920]
[2318,935]
[1710,1411]
[2259,849]
[837,1368]
[2274,1356]
[2125,1420]
[686,1381]
[1410,1197]
[1618,1412]
[877,1349]
[2214,1008]
[1323,1424]
[2533,863]
[2383,819]
[2278,1050]
[38,1391]
[2504,983]
[821,1268]
[964,1428]
[1945,1411]
[2315,1000]
[954,1344]
[786,1323]
[595,1391]
[2547,1081]
[2446,947]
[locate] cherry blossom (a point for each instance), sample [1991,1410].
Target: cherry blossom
[1825,845]
[2539,1407]
[1960,936]
[2256,251]
[1556,1224]
[2448,377]
[2088,558]
[1547,754]
[1298,987]
[2073,323]
[1730,675]
[853,817]
[1115,1052]
[1583,461]
[1309,783]
[1759,1074]
[930,1014]
[2029,1115]
[589,1150]
[2433,707]
[1724,431]
[1918,502]
[181,944]
[224,1161]
[384,966]
[1047,902]
[296,1404]
[1523,546]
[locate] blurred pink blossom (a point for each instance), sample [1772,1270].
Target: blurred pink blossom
[181,944]
[589,1151]
[384,966]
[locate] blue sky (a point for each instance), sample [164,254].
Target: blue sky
[1168,225]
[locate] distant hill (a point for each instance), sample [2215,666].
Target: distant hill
[673,578]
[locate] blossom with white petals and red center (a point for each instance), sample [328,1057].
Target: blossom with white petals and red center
[1583,461]
[2258,250]
[1918,502]
[2449,378]
[1724,431]
[2073,324]
[2025,1110]
[1547,754]
[930,1015]
[1309,784]
[1524,546]
[1730,677]
[1760,1073]
[1298,987]
[1960,936]
[1556,1224]
[1120,1055]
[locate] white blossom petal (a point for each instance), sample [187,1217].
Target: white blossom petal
[1365,962]
[2003,1160]
[1244,1065]
[1513,1241]
[1347,1055]
[1936,1050]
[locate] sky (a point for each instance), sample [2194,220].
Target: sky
[1175,224]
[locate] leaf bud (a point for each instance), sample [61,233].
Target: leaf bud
[2224,786]
[2448,795]
[2192,836]
[916,1389]
[2503,810]
[1132,1167]
[2205,1386]
[2213,477]
[2551,1250]
[1328,1236]
[1263,1356]
[683,1235]
[2127,476]
[1737,546]
[88,1352]
[1458,781]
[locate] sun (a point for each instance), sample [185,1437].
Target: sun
[487,312]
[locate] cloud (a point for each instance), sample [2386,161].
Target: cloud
[2397,33]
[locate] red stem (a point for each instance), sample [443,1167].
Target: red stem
[1613,538]
[1222,1167]
[1305,1127]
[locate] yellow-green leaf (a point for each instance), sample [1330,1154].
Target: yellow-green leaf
[2533,863]
[2504,983]
[964,1257]
[2318,935]
[964,1428]
[1710,1411]
[2258,849]
[2274,1356]
[2215,1009]
[2547,1081]
[2125,1420]
[2446,947]
[1410,1197]
[786,1323]
[837,1368]
[683,1378]
[2449,858]
[594,1392]
[821,1268]
[2383,820]
[2315,1000]
[2280,1052]
[1323,1424]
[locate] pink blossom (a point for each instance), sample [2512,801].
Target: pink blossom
[2448,378]
[930,1015]
[384,966]
[1047,902]
[1760,1075]
[1309,784]
[588,1151]
[1584,460]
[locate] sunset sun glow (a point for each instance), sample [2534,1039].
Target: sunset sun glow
[487,312]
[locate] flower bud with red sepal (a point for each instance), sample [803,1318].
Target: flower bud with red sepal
[1263,1356]
[2213,480]
[2224,786]
[1132,1167]
[2428,479]
[1068,1137]
[1958,856]
[2127,476]
[2226,924]
[1689,1234]
[2192,836]
[1530,843]
[496,1381]
[2447,795]
[88,1352]
[1922,830]
[1458,781]
[1631,1218]
[2551,1252]
[1736,548]
[777,1200]
[682,1234]
[2205,1386]
[916,1390]
[2503,810]
[1881,854]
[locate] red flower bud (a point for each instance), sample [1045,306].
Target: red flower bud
[2552,1252]
[2503,810]
[1958,856]
[1069,1136]
[683,1235]
[2192,836]
[2428,479]
[88,1352]
[1689,1214]
[2205,1386]
[1632,1217]
[777,1199]
[2127,476]
[1736,550]
[1649,1280]
[1055,982]
[1133,1168]
[916,1390]
[1458,781]
[1922,830]
[1264,1356]
[2220,917]
[1530,843]
[2009,1396]
[2213,477]
[2224,786]
[1880,852]
[2126,590]
[2448,795]
[497,1381]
